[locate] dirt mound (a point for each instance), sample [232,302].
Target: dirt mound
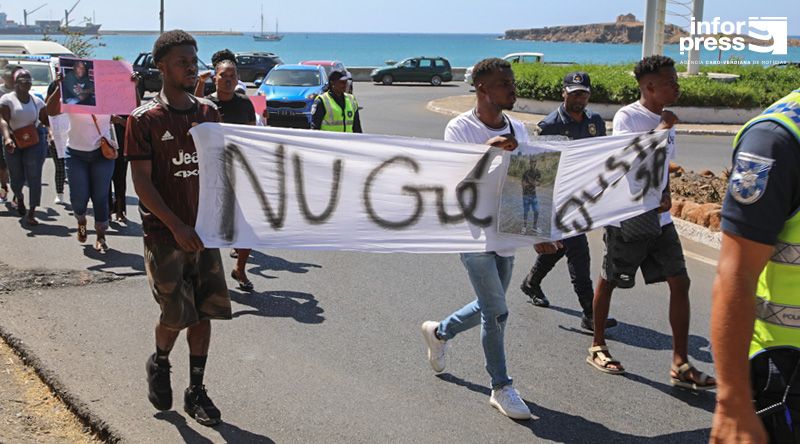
[697,197]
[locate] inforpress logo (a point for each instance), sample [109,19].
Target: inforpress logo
[726,35]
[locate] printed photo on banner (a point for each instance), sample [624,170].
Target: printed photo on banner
[526,197]
[97,86]
[77,85]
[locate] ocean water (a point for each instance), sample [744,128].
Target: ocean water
[375,49]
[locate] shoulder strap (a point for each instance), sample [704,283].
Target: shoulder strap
[94,119]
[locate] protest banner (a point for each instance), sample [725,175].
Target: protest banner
[576,186]
[296,189]
[97,86]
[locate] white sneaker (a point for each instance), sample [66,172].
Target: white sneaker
[508,401]
[436,347]
[59,199]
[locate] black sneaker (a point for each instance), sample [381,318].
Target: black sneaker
[536,294]
[200,407]
[587,323]
[159,391]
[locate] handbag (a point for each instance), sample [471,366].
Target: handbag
[26,137]
[106,147]
[643,227]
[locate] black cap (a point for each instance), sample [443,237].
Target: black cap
[577,81]
[336,75]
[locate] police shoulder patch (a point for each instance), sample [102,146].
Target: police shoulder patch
[749,177]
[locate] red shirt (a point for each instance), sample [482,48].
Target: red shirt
[160,133]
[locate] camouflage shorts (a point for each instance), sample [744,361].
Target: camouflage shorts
[189,287]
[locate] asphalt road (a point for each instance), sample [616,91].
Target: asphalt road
[328,348]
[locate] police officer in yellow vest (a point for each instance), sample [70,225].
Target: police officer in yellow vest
[335,110]
[755,320]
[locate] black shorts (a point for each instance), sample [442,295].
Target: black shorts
[658,258]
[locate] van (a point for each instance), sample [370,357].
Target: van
[38,47]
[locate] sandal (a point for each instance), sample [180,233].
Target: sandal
[601,352]
[31,220]
[685,381]
[100,245]
[82,233]
[244,283]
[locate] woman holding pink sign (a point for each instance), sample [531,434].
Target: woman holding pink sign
[22,122]
[89,170]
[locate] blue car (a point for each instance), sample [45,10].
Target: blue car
[290,92]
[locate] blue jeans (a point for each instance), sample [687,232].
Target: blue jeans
[490,275]
[89,176]
[25,166]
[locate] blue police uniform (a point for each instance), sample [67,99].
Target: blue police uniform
[769,154]
[575,248]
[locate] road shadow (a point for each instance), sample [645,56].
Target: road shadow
[264,262]
[128,228]
[705,400]
[114,259]
[642,337]
[229,432]
[562,427]
[302,307]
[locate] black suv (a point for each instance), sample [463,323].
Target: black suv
[151,76]
[254,66]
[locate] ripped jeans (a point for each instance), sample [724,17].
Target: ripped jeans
[490,275]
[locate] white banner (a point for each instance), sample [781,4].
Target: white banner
[297,189]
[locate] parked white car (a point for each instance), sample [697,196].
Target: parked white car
[42,69]
[515,57]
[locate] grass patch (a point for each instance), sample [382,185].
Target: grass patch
[757,86]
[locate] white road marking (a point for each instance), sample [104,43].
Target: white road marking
[700,258]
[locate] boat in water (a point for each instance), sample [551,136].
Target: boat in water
[45,27]
[262,37]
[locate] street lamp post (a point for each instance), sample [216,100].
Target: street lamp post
[161,17]
[694,54]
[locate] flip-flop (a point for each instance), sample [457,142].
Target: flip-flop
[601,352]
[684,381]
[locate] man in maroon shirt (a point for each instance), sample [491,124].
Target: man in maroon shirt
[186,279]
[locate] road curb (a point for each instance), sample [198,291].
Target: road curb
[103,430]
[439,106]
[698,233]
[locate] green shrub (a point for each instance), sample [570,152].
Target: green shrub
[757,86]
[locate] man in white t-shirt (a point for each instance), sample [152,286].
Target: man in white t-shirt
[659,256]
[490,271]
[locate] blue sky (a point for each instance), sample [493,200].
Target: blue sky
[403,16]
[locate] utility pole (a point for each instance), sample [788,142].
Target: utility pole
[654,23]
[694,54]
[161,17]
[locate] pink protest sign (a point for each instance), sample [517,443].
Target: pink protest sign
[97,87]
[259,103]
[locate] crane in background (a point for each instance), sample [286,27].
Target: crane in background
[26,13]
[68,12]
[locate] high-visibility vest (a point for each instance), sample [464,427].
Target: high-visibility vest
[778,292]
[337,119]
